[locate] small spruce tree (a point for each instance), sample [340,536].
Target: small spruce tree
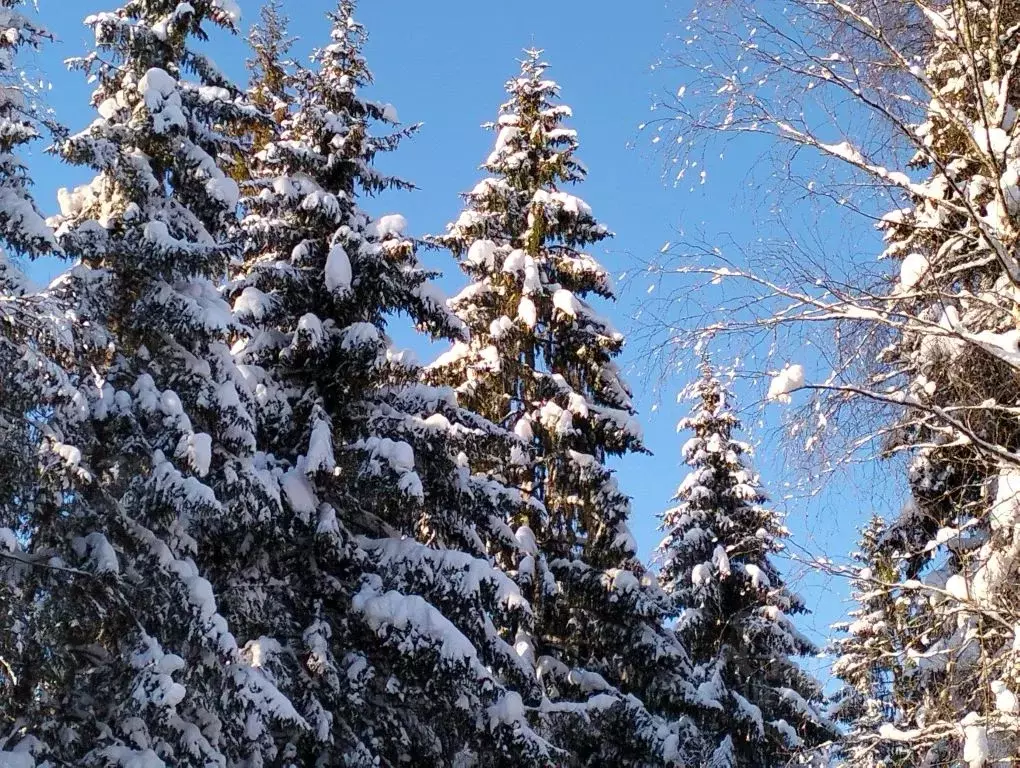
[870,660]
[758,707]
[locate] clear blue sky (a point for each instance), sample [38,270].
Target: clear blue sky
[444,64]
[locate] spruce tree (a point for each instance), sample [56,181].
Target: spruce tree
[269,69]
[870,660]
[26,324]
[759,708]
[148,466]
[388,623]
[540,361]
[22,228]
[33,350]
[270,76]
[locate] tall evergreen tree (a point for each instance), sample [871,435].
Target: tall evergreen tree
[760,708]
[33,336]
[387,622]
[269,68]
[540,361]
[24,325]
[270,77]
[148,467]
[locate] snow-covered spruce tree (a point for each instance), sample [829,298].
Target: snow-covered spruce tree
[148,470]
[387,621]
[733,608]
[269,67]
[21,226]
[23,234]
[870,657]
[540,361]
[269,78]
[33,352]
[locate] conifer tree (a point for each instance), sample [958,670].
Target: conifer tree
[268,67]
[270,77]
[33,334]
[148,471]
[23,233]
[22,227]
[870,658]
[540,361]
[760,708]
[388,625]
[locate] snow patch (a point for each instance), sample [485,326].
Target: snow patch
[975,745]
[224,190]
[1005,699]
[523,429]
[890,732]
[393,225]
[914,267]
[515,262]
[252,304]
[566,302]
[759,580]
[338,270]
[527,313]
[320,448]
[199,452]
[956,585]
[298,491]
[701,574]
[230,8]
[1005,511]
[162,99]
[482,254]
[786,381]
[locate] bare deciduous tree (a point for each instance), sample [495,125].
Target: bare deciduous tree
[902,116]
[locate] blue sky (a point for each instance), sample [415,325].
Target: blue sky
[444,64]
